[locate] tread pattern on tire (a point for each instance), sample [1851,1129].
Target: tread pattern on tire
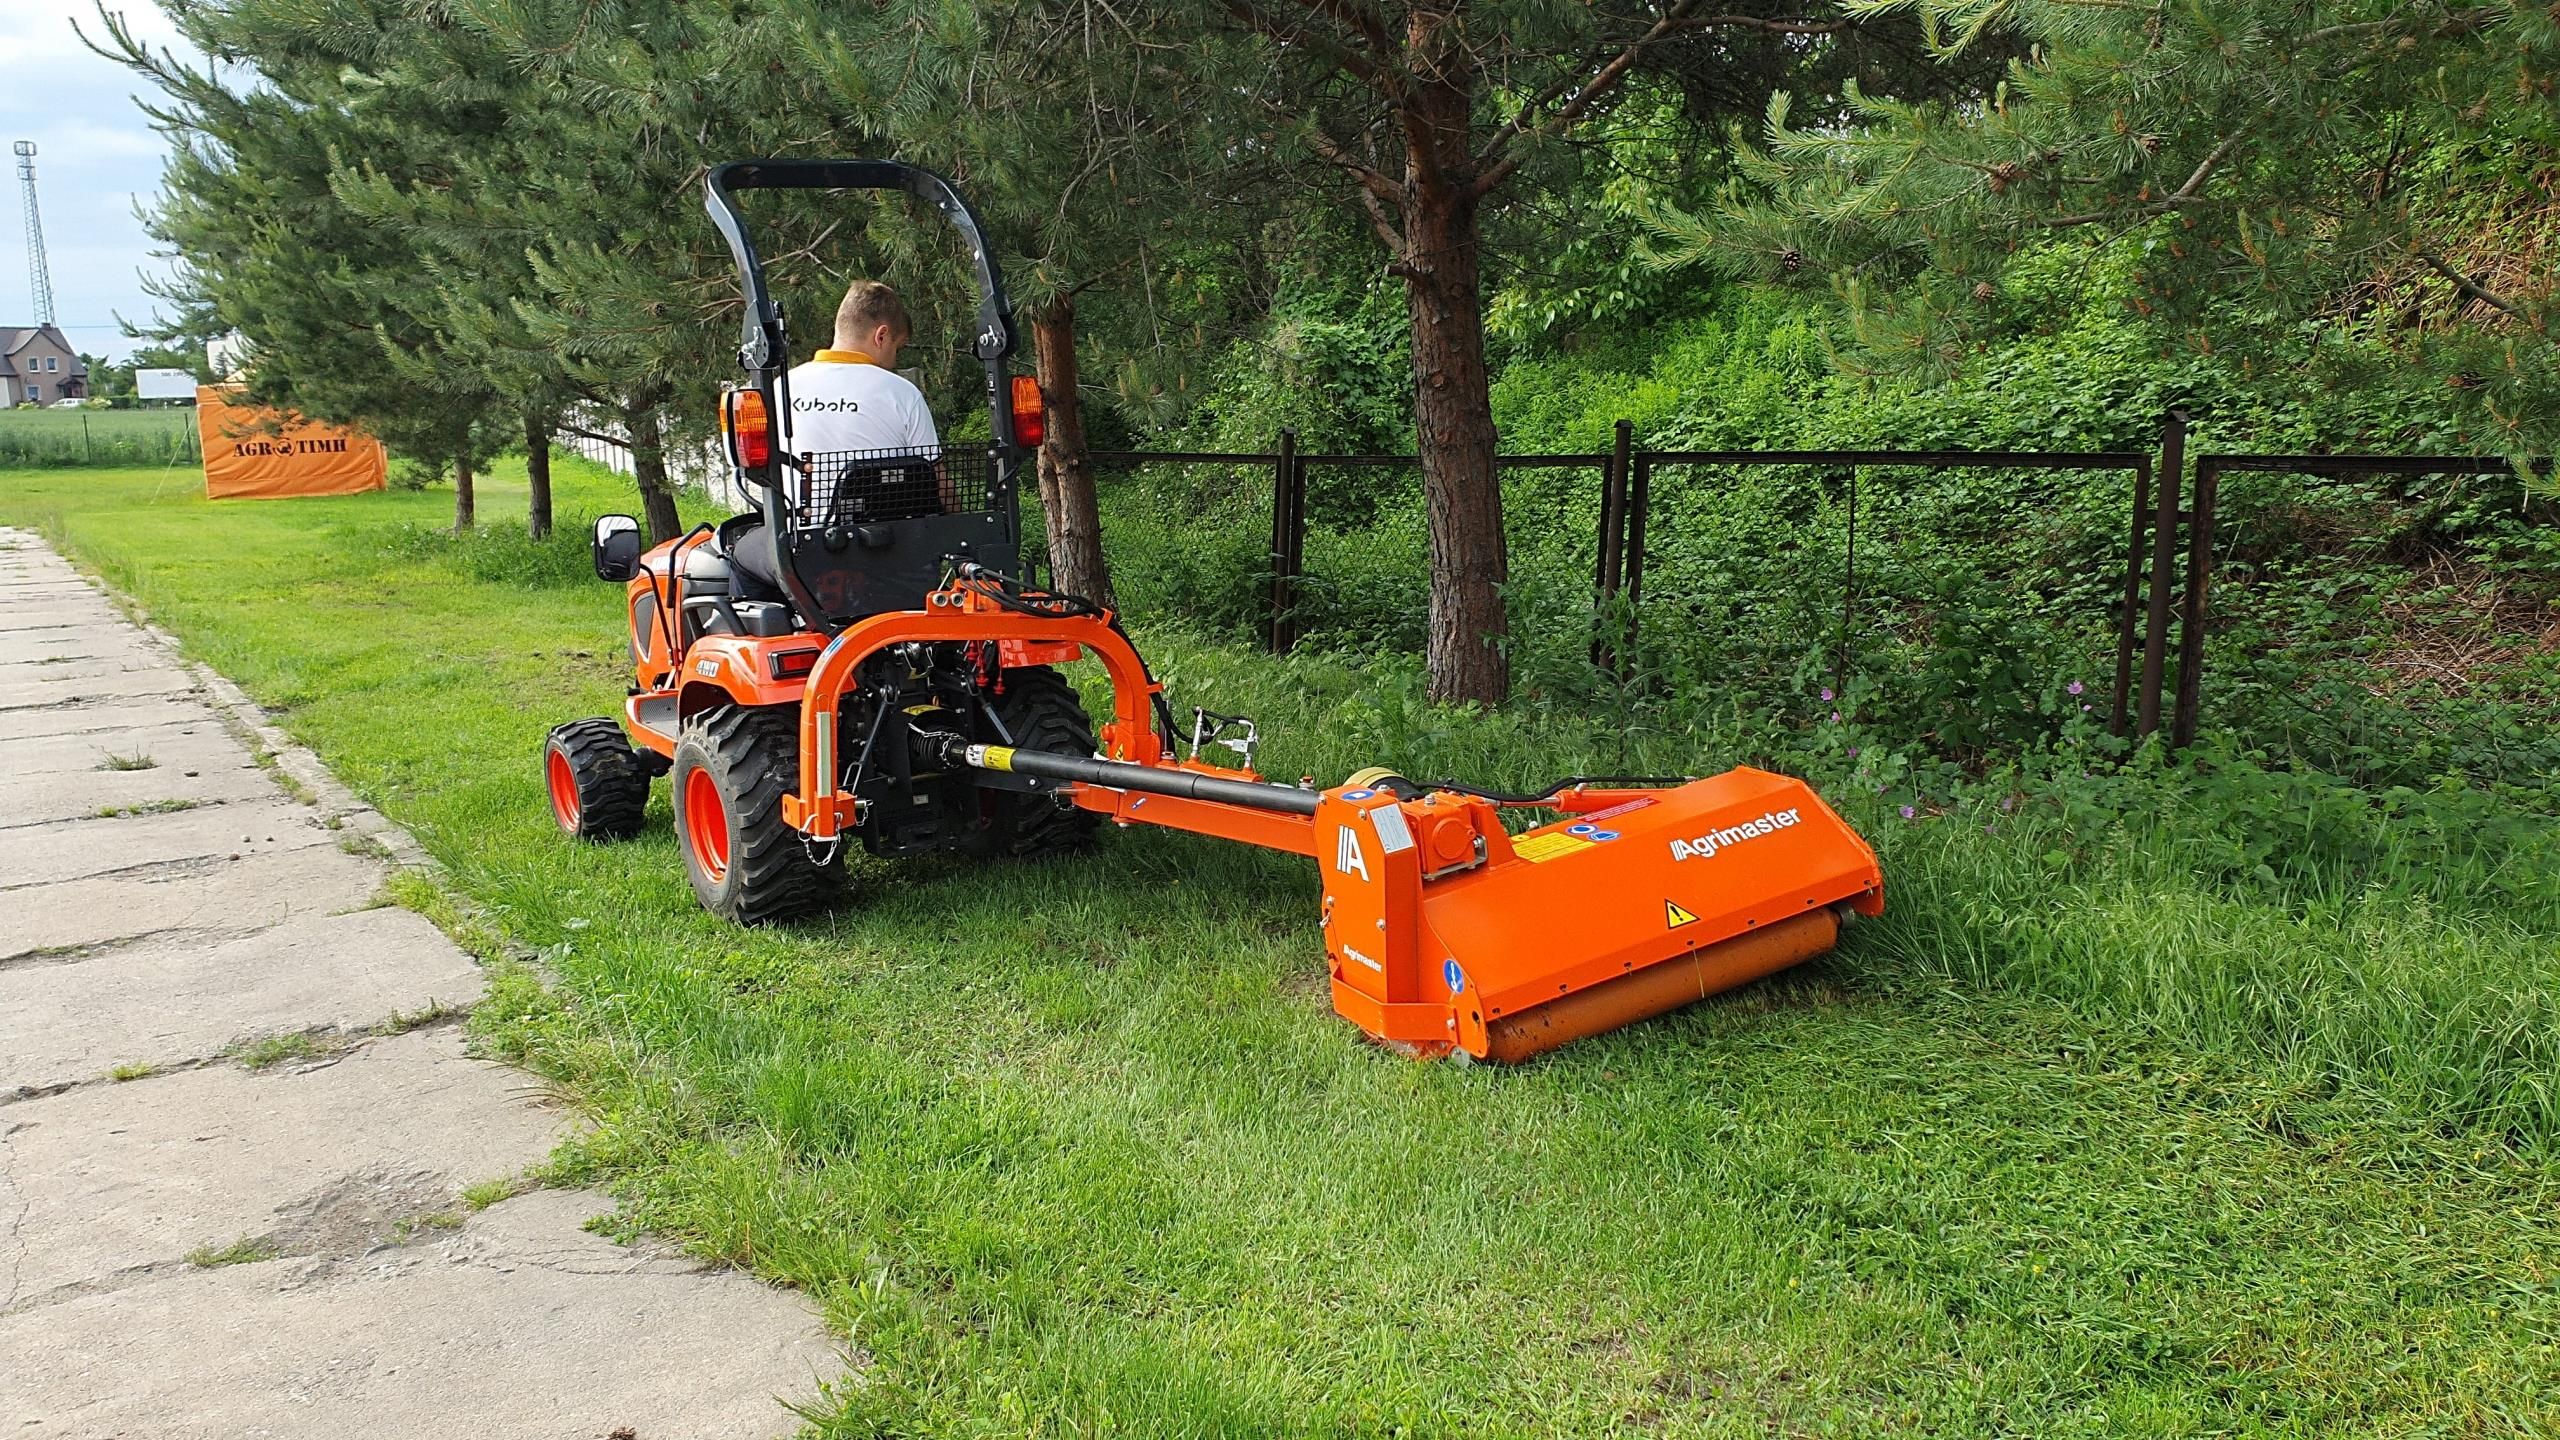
[1042,712]
[612,779]
[753,753]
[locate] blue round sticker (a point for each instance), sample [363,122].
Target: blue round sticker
[1583,830]
[1456,977]
[1604,835]
[1358,794]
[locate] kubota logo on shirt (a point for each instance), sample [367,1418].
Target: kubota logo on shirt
[1701,847]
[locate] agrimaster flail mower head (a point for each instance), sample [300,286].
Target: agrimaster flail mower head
[854,661]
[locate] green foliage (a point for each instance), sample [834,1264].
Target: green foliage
[2316,186]
[1334,363]
[1981,596]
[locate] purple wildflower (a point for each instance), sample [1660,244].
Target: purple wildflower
[1908,812]
[1835,717]
[2074,688]
[1826,694]
[1853,752]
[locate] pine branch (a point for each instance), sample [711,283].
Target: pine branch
[2472,289]
[1494,166]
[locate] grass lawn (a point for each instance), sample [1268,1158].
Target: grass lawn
[2080,1141]
[33,437]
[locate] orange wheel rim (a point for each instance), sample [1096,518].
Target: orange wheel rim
[564,791]
[706,825]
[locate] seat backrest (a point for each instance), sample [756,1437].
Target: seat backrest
[864,487]
[871,530]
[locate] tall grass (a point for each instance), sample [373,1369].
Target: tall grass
[2420,978]
[49,439]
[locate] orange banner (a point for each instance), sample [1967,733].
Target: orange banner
[252,453]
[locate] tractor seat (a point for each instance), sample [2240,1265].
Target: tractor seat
[727,591]
[747,547]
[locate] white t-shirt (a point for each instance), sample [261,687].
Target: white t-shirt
[839,405]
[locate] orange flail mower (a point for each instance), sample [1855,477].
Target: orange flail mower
[853,662]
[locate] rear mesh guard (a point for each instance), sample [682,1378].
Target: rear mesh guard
[844,488]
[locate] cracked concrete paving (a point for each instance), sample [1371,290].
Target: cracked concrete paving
[153,917]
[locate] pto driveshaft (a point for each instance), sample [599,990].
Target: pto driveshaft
[1120,775]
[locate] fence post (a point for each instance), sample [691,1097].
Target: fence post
[2164,564]
[1639,502]
[1287,533]
[88,452]
[1297,541]
[2191,619]
[1613,528]
[2122,711]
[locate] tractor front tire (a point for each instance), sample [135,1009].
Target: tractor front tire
[733,765]
[1040,711]
[599,785]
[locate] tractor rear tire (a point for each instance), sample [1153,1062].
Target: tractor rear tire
[733,765]
[599,784]
[1041,711]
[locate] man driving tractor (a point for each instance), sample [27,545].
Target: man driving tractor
[850,406]
[850,396]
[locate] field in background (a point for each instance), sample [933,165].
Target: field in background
[2153,1108]
[47,438]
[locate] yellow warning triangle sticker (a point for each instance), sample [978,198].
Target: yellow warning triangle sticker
[1678,917]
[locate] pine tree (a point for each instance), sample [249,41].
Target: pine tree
[1089,165]
[1438,117]
[340,315]
[2299,185]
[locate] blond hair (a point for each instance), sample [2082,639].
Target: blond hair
[868,305]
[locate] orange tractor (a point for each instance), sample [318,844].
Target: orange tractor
[854,662]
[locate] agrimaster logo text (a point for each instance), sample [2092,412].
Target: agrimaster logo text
[1705,846]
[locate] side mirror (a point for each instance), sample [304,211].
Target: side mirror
[616,548]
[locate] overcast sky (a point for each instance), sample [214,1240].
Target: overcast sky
[96,156]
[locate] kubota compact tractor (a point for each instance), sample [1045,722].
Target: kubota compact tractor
[855,661]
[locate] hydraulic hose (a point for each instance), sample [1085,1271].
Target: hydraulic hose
[1121,775]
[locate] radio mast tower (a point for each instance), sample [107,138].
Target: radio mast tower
[39,278]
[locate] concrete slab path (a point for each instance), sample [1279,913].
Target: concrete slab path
[190,1247]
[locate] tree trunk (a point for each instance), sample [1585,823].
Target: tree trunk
[1452,402]
[466,504]
[1067,500]
[649,469]
[537,472]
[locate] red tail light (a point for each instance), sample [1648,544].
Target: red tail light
[749,428]
[792,664]
[1030,418]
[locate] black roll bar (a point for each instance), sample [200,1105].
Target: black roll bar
[764,336]
[764,343]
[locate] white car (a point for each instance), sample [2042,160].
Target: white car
[67,405]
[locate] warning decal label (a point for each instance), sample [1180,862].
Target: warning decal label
[1676,915]
[1548,846]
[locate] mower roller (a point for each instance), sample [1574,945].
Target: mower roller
[855,661]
